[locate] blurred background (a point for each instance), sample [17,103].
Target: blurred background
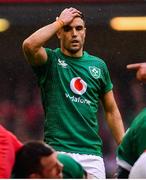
[20,105]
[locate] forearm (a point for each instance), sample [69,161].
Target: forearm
[41,36]
[115,123]
[113,116]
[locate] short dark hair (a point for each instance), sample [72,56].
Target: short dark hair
[82,17]
[28,159]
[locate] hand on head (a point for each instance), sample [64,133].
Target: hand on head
[68,14]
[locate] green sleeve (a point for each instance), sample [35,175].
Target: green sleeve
[42,70]
[106,84]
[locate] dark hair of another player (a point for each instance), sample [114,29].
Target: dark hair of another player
[28,159]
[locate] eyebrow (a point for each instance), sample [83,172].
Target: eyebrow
[68,27]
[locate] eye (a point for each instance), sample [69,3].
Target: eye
[79,28]
[67,28]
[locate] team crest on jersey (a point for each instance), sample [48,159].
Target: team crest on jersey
[78,85]
[62,63]
[95,72]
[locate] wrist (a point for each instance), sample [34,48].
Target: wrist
[59,23]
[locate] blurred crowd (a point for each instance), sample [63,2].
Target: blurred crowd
[25,120]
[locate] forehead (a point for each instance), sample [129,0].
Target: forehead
[49,160]
[77,22]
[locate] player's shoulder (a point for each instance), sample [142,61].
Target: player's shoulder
[68,162]
[94,58]
[139,122]
[141,116]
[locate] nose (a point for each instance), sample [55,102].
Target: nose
[74,32]
[60,166]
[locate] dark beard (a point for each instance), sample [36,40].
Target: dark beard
[73,51]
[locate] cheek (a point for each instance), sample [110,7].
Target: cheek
[66,36]
[83,38]
[65,39]
[54,172]
[82,35]
[49,173]
[65,42]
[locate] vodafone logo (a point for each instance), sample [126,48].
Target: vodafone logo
[78,86]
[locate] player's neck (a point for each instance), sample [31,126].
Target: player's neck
[77,54]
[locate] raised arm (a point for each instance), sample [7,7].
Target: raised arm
[33,45]
[140,70]
[113,116]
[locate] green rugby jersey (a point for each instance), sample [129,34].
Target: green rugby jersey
[70,89]
[71,168]
[133,143]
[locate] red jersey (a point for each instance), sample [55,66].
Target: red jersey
[9,145]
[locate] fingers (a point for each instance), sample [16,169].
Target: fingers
[133,66]
[68,14]
[73,10]
[140,70]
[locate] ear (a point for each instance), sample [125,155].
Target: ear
[34,176]
[59,34]
[85,31]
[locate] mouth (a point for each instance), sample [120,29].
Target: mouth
[60,176]
[75,41]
